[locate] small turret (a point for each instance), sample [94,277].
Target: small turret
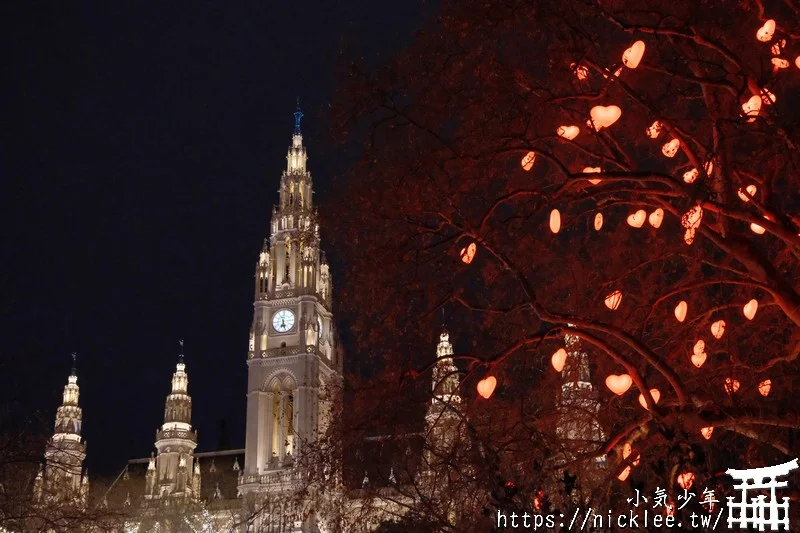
[168,474]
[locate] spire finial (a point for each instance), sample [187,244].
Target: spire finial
[297,116]
[74,364]
[180,356]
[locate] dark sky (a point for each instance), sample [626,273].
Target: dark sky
[141,150]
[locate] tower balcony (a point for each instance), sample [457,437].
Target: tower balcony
[186,434]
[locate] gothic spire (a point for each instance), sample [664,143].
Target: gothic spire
[298,115]
[180,355]
[74,365]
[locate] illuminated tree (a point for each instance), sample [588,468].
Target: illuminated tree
[628,172]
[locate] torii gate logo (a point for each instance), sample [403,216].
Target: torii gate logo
[760,512]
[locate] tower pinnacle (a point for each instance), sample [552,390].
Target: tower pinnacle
[298,115]
[180,355]
[74,365]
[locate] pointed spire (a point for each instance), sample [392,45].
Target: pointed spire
[180,356]
[74,365]
[298,115]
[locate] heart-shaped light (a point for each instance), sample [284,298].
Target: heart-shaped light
[750,309]
[797,61]
[654,393]
[656,217]
[486,386]
[758,230]
[718,329]
[690,175]
[752,107]
[780,63]
[698,359]
[598,221]
[706,432]
[764,387]
[680,310]
[627,450]
[686,480]
[636,220]
[671,148]
[593,170]
[568,132]
[765,32]
[555,220]
[619,385]
[747,193]
[632,56]
[468,253]
[613,300]
[691,219]
[654,130]
[604,116]
[559,359]
[527,161]
[731,385]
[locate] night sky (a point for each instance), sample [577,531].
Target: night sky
[141,151]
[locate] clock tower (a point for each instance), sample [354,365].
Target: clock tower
[292,353]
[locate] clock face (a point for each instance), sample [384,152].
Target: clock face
[283,321]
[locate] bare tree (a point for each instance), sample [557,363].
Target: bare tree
[620,172]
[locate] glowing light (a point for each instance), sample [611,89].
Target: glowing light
[671,148]
[752,107]
[780,63]
[764,387]
[765,32]
[778,47]
[747,193]
[731,385]
[624,474]
[593,170]
[527,161]
[680,310]
[568,132]
[633,55]
[718,329]
[486,386]
[619,385]
[636,220]
[613,300]
[691,175]
[468,253]
[559,359]
[627,450]
[605,116]
[691,219]
[581,72]
[555,220]
[654,130]
[686,480]
[706,432]
[750,309]
[598,221]
[656,217]
[655,393]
